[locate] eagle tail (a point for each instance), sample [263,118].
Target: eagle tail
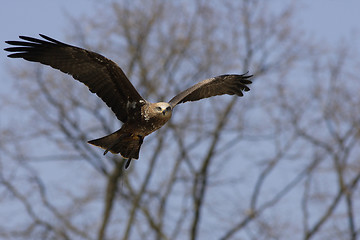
[128,145]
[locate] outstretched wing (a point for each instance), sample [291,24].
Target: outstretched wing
[101,75]
[224,84]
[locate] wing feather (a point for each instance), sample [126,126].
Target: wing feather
[223,84]
[101,75]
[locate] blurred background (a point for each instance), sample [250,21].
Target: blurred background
[282,162]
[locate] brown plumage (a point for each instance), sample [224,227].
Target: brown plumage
[106,79]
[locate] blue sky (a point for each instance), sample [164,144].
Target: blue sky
[22,17]
[331,21]
[327,20]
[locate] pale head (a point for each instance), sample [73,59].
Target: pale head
[162,108]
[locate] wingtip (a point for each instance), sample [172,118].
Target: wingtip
[13,55]
[51,39]
[43,36]
[247,75]
[26,38]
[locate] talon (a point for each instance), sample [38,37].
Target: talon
[127,164]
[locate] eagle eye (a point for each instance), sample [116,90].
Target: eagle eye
[158,108]
[168,108]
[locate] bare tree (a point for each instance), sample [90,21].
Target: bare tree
[279,163]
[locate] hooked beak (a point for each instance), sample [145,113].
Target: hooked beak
[166,110]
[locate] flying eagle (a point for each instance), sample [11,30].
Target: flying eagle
[106,79]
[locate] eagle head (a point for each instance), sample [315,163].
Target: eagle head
[163,109]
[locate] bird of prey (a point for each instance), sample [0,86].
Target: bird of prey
[106,79]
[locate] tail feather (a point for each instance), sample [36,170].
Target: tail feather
[128,145]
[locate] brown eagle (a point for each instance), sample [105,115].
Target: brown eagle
[106,79]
